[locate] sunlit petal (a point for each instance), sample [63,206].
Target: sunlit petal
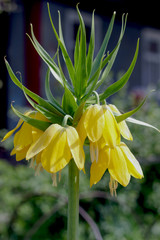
[98,168]
[50,133]
[57,155]
[111,132]
[94,122]
[23,137]
[133,165]
[81,129]
[76,147]
[118,167]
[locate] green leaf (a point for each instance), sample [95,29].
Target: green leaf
[91,48]
[135,121]
[42,125]
[115,87]
[55,109]
[54,118]
[68,102]
[92,85]
[104,45]
[124,116]
[48,90]
[66,57]
[76,50]
[46,58]
[110,59]
[60,30]
[81,70]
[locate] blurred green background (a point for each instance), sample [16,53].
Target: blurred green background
[31,208]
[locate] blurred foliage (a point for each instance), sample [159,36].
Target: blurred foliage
[31,208]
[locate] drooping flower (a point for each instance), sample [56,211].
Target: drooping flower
[120,163]
[99,122]
[25,136]
[57,146]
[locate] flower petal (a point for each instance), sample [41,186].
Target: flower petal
[118,167]
[111,132]
[20,154]
[76,147]
[57,154]
[81,129]
[23,137]
[133,165]
[13,130]
[124,130]
[50,133]
[94,122]
[98,168]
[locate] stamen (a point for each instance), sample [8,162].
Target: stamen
[54,179]
[59,175]
[94,152]
[113,184]
[38,168]
[31,165]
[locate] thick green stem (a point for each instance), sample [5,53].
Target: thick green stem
[73,201]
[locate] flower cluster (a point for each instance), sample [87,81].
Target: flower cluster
[53,149]
[106,149]
[53,133]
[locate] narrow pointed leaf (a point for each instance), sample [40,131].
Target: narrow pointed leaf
[103,46]
[115,87]
[66,57]
[68,102]
[54,118]
[91,48]
[60,30]
[135,121]
[42,125]
[46,58]
[48,92]
[55,109]
[76,50]
[92,85]
[124,116]
[112,56]
[81,71]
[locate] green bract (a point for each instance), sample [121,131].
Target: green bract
[86,75]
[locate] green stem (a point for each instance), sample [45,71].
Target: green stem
[73,201]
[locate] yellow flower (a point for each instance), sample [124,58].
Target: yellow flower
[58,145]
[124,130]
[25,136]
[120,163]
[97,122]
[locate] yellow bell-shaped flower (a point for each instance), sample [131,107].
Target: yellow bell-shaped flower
[120,163]
[97,122]
[58,145]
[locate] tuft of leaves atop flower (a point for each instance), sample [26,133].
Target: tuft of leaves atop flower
[86,74]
